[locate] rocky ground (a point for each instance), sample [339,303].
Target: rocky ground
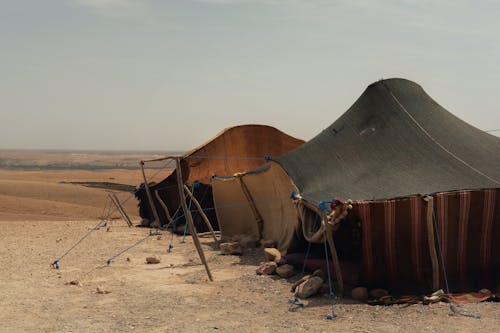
[175,295]
[40,218]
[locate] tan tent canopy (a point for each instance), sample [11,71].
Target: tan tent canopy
[235,149]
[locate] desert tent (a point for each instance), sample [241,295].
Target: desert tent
[405,161]
[235,149]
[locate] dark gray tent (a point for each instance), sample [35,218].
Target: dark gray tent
[393,142]
[408,164]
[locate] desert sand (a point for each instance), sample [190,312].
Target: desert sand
[40,218]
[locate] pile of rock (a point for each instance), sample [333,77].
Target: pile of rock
[275,264]
[310,285]
[231,248]
[307,286]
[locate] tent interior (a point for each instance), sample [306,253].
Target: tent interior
[425,190]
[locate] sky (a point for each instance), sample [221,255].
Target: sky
[168,75]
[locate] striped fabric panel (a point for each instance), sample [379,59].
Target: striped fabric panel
[416,236]
[486,232]
[442,221]
[364,212]
[463,220]
[390,221]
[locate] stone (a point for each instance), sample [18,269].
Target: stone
[74,283]
[377,293]
[232,248]
[100,290]
[298,282]
[272,254]
[267,268]
[268,243]
[285,271]
[485,291]
[325,289]
[282,261]
[152,260]
[319,273]
[359,293]
[309,287]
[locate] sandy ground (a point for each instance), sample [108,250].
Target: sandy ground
[41,218]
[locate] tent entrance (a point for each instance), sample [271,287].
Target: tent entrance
[309,251]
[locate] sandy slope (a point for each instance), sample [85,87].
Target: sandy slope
[40,219]
[35,195]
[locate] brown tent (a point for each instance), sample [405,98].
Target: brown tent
[235,149]
[408,164]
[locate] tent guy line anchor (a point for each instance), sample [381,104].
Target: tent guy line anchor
[56,263]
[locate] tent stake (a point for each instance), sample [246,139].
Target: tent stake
[189,218]
[202,213]
[156,222]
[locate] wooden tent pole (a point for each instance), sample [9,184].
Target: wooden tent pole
[165,208]
[202,213]
[116,202]
[189,218]
[256,213]
[432,243]
[156,222]
[335,258]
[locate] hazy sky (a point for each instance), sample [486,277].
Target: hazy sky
[161,75]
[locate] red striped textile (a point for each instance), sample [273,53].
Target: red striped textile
[396,251]
[486,233]
[390,243]
[364,212]
[463,220]
[416,239]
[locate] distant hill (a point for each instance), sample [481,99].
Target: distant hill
[77,160]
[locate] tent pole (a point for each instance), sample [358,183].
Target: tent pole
[189,218]
[165,208]
[116,202]
[255,211]
[432,243]
[335,258]
[156,222]
[202,213]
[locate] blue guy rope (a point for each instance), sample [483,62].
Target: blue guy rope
[296,301]
[174,225]
[110,260]
[56,265]
[110,210]
[332,315]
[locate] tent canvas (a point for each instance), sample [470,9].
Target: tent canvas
[235,149]
[390,149]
